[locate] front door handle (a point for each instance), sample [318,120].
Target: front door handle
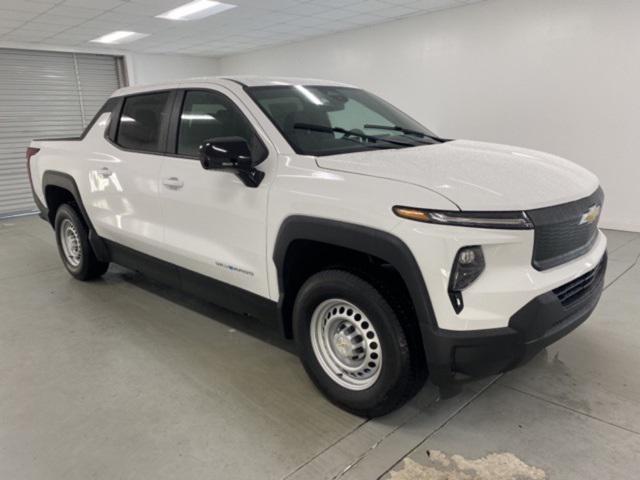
[173,183]
[105,172]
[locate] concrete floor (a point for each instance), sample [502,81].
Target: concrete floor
[122,378]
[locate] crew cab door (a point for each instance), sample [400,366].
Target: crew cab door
[215,225]
[122,198]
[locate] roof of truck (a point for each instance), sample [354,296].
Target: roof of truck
[245,80]
[261,81]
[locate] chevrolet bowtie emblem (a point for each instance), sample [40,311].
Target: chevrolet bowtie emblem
[590,215]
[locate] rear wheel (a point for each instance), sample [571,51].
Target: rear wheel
[72,237]
[353,345]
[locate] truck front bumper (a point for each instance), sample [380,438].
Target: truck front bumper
[453,355]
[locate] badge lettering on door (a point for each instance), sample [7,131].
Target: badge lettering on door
[234,268]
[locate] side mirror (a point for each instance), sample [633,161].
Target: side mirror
[232,153]
[225,152]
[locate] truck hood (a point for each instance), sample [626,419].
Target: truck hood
[475,175]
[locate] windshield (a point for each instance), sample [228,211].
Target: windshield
[332,120]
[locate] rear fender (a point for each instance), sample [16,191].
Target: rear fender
[67,182]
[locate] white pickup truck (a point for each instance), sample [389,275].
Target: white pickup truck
[387,252]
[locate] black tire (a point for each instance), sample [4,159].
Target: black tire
[398,379]
[88,266]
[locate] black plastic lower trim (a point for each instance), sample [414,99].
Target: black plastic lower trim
[536,325]
[193,283]
[43,211]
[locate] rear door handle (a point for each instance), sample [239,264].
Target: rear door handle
[173,183]
[105,172]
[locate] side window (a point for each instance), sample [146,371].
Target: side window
[142,122]
[207,115]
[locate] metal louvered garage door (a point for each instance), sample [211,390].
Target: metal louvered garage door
[45,94]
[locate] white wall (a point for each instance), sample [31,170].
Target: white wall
[560,76]
[151,68]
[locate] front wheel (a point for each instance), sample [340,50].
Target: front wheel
[353,345]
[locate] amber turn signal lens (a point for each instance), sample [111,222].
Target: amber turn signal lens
[411,213]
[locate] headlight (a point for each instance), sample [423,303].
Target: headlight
[467,267]
[506,220]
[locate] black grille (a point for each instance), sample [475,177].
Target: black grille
[571,293]
[560,232]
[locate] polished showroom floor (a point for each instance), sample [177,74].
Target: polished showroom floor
[122,378]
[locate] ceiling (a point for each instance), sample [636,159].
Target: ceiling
[253,24]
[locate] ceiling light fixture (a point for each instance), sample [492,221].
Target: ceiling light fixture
[196,10]
[120,36]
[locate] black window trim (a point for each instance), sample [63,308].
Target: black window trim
[112,128]
[111,134]
[174,123]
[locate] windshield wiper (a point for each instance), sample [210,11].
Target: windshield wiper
[406,131]
[371,138]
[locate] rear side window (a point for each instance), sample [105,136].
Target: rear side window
[142,122]
[206,115]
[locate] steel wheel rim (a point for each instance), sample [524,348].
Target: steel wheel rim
[346,344]
[70,241]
